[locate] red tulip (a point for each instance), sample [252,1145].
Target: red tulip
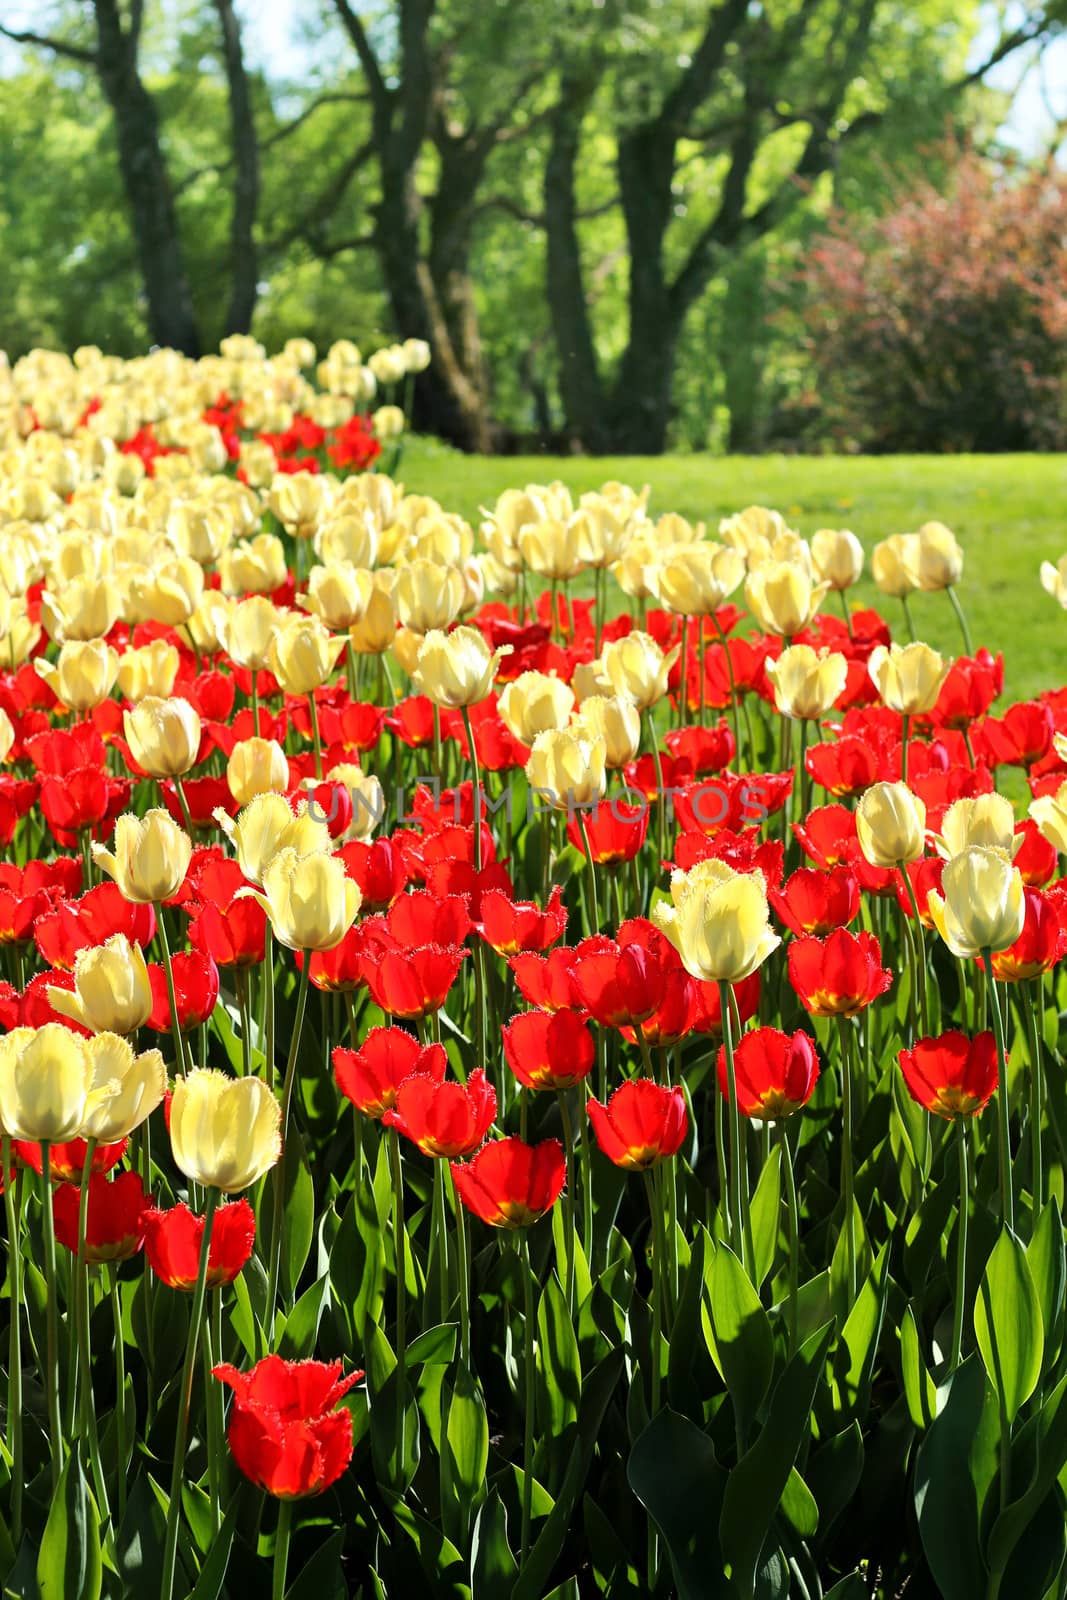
[549,1049]
[817,902]
[706,749]
[511,1184]
[419,918]
[548,981]
[379,869]
[286,1433]
[674,1017]
[172,1241]
[35,1008]
[707,1016]
[952,1076]
[203,796]
[444,1119]
[74,925]
[510,926]
[196,991]
[844,766]
[624,984]
[371,1075]
[1035,857]
[642,1123]
[839,975]
[67,1161]
[615,831]
[775,1073]
[26,893]
[827,835]
[925,875]
[746,851]
[410,983]
[1018,738]
[338,970]
[1040,945]
[114,1225]
[969,690]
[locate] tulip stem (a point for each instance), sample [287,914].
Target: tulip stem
[960,618]
[479,960]
[316,738]
[281,1549]
[847,1174]
[569,1227]
[907,617]
[172,997]
[847,614]
[683,675]
[592,870]
[904,748]
[212,1396]
[737,1228]
[961,1247]
[120,1387]
[917,947]
[83,1368]
[661,798]
[268,1005]
[528,1409]
[1031,1003]
[1007,1201]
[587,1172]
[181,1438]
[278,1176]
[51,1377]
[793,1224]
[463,1272]
[733,695]
[14,1364]
[186,813]
[400,1263]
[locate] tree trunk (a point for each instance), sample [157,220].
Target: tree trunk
[452,215]
[171,318]
[580,384]
[244,266]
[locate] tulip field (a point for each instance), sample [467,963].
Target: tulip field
[531,1059]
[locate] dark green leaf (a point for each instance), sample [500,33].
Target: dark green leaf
[69,1565]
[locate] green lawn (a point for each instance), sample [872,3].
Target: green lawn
[1008,512]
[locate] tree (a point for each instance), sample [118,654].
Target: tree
[770,95]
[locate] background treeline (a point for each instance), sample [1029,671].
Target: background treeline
[622,225]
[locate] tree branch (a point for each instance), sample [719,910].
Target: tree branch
[367,59]
[59,47]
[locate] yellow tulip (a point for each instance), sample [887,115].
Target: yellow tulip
[310,900]
[45,1081]
[128,1088]
[335,595]
[987,819]
[350,538]
[367,796]
[225,1133]
[718,921]
[694,580]
[253,566]
[303,654]
[782,597]
[550,549]
[895,565]
[755,526]
[150,857]
[149,671]
[616,720]
[84,674]
[265,827]
[940,557]
[170,593]
[806,682]
[456,669]
[112,993]
[250,627]
[567,768]
[891,825]
[256,766]
[534,703]
[1054,580]
[428,595]
[163,736]
[376,629]
[908,677]
[1049,811]
[638,667]
[982,906]
[837,556]
[299,500]
[81,608]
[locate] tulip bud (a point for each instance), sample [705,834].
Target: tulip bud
[83,675]
[7,735]
[982,906]
[891,825]
[806,682]
[782,597]
[163,736]
[310,900]
[908,677]
[566,768]
[718,921]
[257,766]
[225,1133]
[616,720]
[348,539]
[112,990]
[299,500]
[126,1088]
[367,796]
[150,858]
[1054,580]
[45,1079]
[456,669]
[416,355]
[940,557]
[638,667]
[895,565]
[303,654]
[205,629]
[169,594]
[149,671]
[755,526]
[838,558]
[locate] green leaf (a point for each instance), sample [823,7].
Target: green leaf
[944,1494]
[755,1486]
[559,1370]
[743,1341]
[299,1210]
[685,1344]
[1051,1456]
[855,1355]
[798,1506]
[919,1388]
[323,1578]
[464,1458]
[139,1545]
[674,1473]
[69,1565]
[1048,1268]
[1007,1324]
[766,1216]
[302,1323]
[213,1572]
[493,1565]
[433,1347]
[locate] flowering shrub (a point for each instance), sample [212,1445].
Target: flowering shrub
[944,323]
[507,1090]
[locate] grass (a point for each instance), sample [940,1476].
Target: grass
[1007,511]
